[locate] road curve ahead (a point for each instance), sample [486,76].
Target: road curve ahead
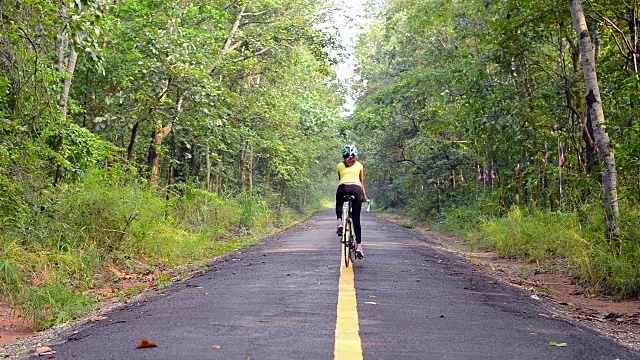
[292,299]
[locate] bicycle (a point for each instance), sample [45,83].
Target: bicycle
[348,233]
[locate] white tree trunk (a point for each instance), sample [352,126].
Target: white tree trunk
[208,171]
[594,103]
[159,135]
[71,68]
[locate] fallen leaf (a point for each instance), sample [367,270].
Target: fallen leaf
[216,347]
[612,315]
[44,350]
[553,343]
[116,272]
[145,344]
[441,316]
[98,318]
[543,315]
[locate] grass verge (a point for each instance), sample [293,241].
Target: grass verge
[73,240]
[602,267]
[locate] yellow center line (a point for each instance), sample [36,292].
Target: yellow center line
[348,345]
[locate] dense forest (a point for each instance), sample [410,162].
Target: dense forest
[501,120]
[142,137]
[145,135]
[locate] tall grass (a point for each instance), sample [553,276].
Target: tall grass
[533,237]
[577,239]
[68,237]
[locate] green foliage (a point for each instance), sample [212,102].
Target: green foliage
[63,246]
[181,137]
[534,237]
[81,149]
[600,266]
[615,274]
[448,89]
[53,303]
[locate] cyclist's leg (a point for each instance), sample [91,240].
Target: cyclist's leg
[357,207]
[356,204]
[340,192]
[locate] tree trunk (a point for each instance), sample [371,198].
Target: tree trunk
[219,177]
[632,21]
[62,49]
[251,168]
[594,104]
[227,44]
[152,108]
[154,150]
[586,130]
[159,134]
[132,140]
[69,69]
[242,166]
[208,171]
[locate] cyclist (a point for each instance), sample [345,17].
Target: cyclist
[351,176]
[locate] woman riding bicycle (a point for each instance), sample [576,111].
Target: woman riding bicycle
[351,176]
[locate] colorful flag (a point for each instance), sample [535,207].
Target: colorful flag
[479,174]
[560,154]
[486,176]
[517,168]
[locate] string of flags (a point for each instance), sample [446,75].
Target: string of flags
[488,174]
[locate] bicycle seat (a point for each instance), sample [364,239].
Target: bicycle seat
[348,197]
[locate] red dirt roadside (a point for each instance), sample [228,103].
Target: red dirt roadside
[11,327]
[618,320]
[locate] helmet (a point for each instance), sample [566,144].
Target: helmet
[349,150]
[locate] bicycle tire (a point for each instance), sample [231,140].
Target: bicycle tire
[346,242]
[352,242]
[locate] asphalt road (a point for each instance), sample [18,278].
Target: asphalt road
[279,301]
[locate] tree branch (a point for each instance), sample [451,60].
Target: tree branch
[252,55]
[606,20]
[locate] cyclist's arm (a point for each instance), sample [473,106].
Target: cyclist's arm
[364,191]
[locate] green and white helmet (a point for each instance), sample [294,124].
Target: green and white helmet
[349,150]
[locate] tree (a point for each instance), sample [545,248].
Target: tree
[594,103]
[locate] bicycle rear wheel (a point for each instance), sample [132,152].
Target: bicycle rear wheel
[352,242]
[346,243]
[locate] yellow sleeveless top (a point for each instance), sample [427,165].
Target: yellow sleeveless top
[351,174]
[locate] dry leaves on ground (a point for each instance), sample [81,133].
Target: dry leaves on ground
[146,344]
[44,350]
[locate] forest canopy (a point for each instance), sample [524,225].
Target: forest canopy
[159,130]
[491,115]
